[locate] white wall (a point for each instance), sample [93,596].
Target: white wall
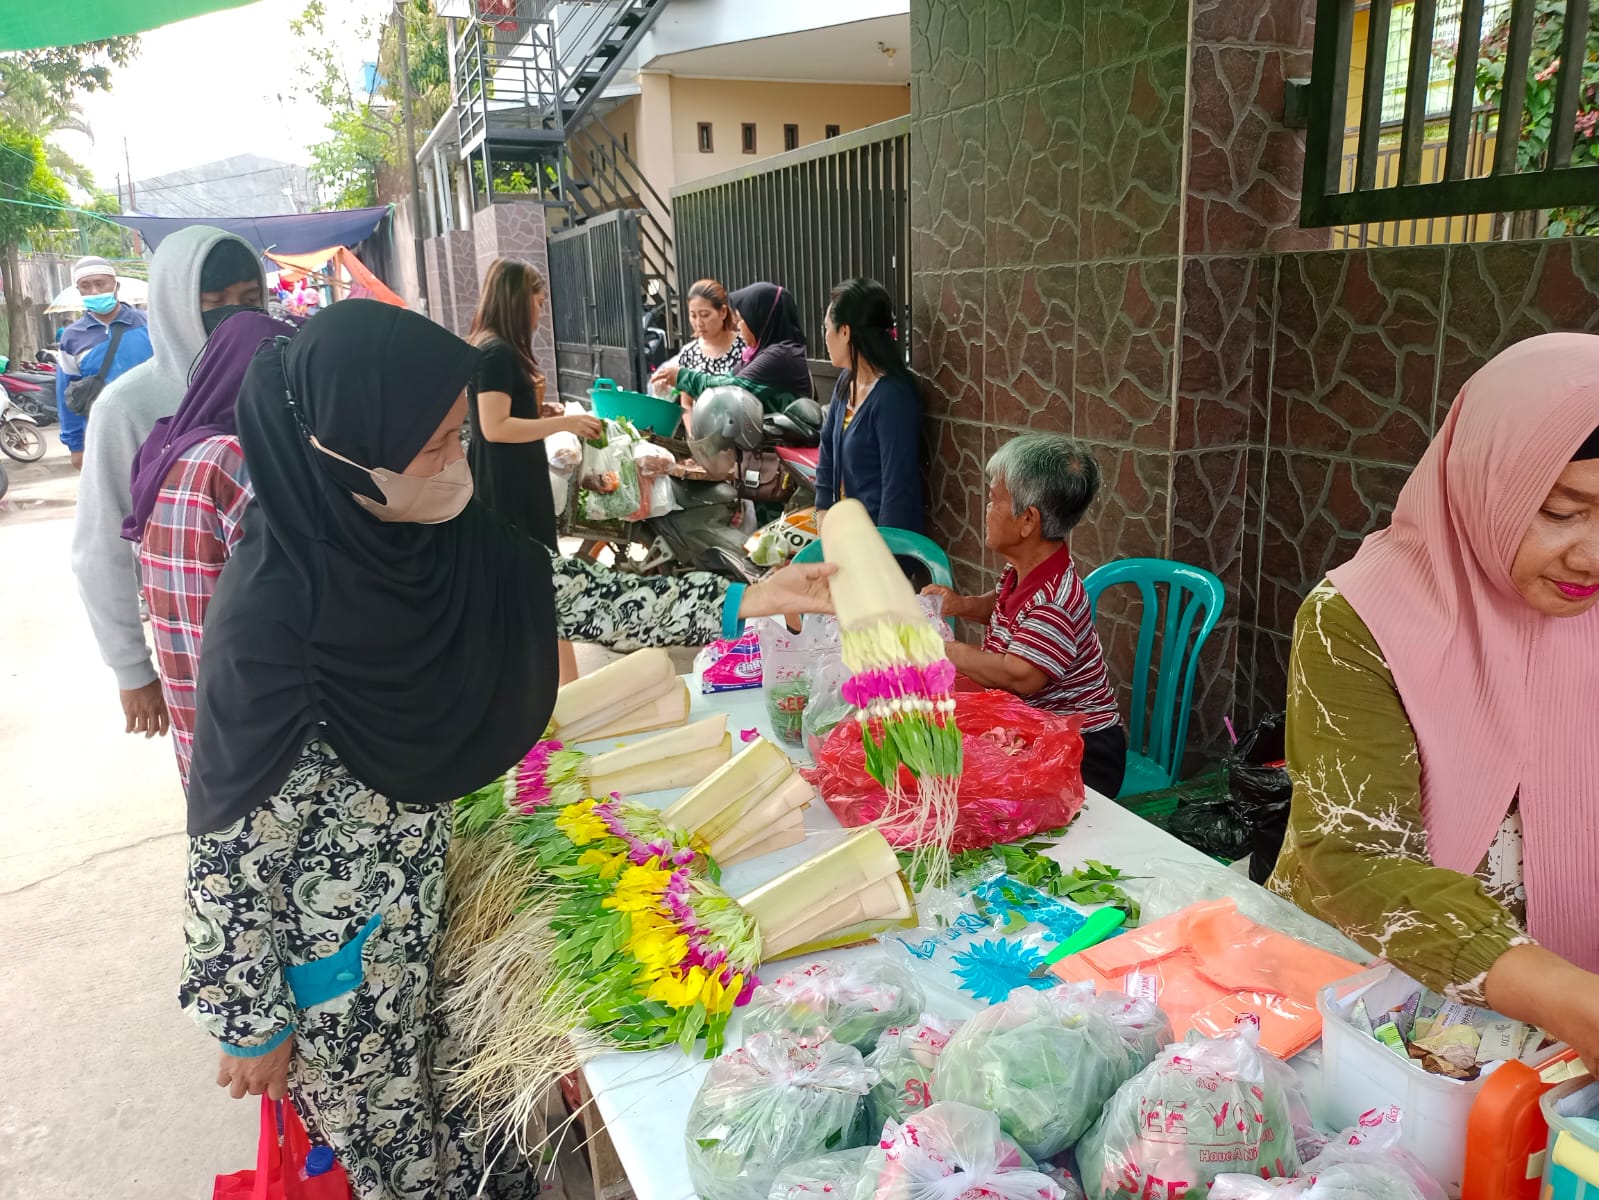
[696,24]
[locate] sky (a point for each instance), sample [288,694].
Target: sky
[222,84]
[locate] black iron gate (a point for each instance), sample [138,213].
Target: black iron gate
[807,219]
[597,290]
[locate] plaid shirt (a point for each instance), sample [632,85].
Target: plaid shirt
[196,522]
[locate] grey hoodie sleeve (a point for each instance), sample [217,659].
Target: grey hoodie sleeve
[106,566]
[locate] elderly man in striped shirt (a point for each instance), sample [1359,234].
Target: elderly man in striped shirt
[1040,641]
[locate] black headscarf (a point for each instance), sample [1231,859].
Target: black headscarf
[773,317]
[427,652]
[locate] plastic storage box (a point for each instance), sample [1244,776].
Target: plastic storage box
[1571,1165]
[1360,1073]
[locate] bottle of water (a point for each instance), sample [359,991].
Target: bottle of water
[318,1161]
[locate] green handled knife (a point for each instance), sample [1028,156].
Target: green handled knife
[1099,926]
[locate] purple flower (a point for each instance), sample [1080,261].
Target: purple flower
[940,677]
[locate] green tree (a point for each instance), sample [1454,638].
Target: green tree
[1537,124]
[364,134]
[32,201]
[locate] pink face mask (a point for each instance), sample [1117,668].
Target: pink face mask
[748,355]
[413,499]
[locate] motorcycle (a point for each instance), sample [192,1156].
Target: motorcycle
[37,399]
[715,521]
[19,433]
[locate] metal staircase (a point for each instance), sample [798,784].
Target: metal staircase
[529,102]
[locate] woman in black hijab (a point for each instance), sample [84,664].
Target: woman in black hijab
[775,366]
[377,646]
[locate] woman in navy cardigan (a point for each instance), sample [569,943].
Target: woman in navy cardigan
[872,435]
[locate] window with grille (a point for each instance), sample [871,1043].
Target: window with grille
[791,137]
[832,131]
[1446,38]
[707,145]
[747,138]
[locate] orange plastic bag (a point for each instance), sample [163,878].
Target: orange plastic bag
[1022,771]
[1208,964]
[280,1161]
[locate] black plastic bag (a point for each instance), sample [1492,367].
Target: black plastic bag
[1209,823]
[1260,791]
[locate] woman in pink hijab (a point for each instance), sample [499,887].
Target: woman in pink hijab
[1443,708]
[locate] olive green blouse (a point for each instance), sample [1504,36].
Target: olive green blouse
[1356,850]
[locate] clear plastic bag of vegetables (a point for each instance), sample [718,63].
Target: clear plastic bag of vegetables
[789,662]
[836,1176]
[905,1060]
[607,480]
[1044,1062]
[1203,1108]
[1144,1028]
[1362,1163]
[774,1101]
[955,1152]
[826,708]
[851,1002]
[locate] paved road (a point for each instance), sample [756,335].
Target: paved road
[105,1087]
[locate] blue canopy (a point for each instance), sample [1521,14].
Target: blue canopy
[294,233]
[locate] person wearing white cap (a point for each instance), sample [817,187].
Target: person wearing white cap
[96,281]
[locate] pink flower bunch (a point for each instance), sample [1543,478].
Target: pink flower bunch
[930,682]
[680,904]
[639,851]
[532,783]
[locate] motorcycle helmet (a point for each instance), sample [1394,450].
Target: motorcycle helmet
[725,420]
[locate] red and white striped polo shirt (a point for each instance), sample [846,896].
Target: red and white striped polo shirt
[1045,619]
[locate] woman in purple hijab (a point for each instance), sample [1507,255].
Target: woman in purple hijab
[190,490]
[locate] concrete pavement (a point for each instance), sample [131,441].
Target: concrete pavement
[106,1088]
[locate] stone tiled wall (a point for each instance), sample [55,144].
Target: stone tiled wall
[1105,242]
[1365,352]
[516,229]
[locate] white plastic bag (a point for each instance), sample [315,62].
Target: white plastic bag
[906,1060]
[608,479]
[773,1101]
[953,1152]
[1144,1028]
[565,452]
[1362,1163]
[1203,1108]
[851,1002]
[833,1175]
[1044,1062]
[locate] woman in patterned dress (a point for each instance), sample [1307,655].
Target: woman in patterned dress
[377,645]
[717,348]
[1441,702]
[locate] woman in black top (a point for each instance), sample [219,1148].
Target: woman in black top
[510,470]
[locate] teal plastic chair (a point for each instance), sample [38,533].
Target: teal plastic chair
[1193,606]
[902,543]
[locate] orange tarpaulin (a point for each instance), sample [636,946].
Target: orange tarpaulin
[363,284]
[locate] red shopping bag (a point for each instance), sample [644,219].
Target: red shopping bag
[280,1162]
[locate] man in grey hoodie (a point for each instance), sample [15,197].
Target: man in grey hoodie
[194,274]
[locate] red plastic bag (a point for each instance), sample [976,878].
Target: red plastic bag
[1022,771]
[279,1163]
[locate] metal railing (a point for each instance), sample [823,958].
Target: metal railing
[533,79]
[500,91]
[1507,186]
[1429,230]
[807,219]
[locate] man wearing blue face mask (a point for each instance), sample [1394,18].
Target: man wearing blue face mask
[86,342]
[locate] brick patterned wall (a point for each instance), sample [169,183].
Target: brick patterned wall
[1364,355]
[1093,256]
[516,229]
